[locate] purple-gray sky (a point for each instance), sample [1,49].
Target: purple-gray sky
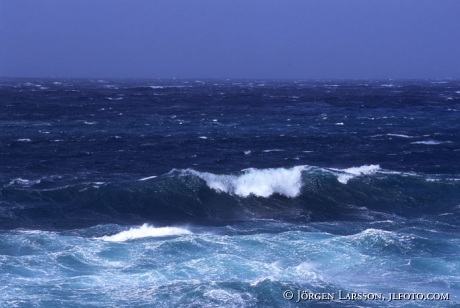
[230,38]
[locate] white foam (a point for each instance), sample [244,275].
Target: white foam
[203,137]
[145,231]
[148,178]
[257,182]
[24,140]
[247,152]
[347,174]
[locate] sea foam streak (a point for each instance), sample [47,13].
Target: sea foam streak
[258,182]
[145,231]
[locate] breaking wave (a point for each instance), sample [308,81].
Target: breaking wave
[145,231]
[182,196]
[257,182]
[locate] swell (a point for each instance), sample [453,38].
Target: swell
[297,194]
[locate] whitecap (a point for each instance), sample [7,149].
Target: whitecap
[429,142]
[24,182]
[347,174]
[273,150]
[24,140]
[203,137]
[145,231]
[148,178]
[399,135]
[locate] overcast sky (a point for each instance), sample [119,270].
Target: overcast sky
[230,38]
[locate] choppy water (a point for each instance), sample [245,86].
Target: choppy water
[186,193]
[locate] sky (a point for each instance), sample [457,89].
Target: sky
[272,39]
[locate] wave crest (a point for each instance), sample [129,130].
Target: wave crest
[257,182]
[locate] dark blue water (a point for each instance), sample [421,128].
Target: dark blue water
[227,193]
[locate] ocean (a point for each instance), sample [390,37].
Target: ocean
[229,193]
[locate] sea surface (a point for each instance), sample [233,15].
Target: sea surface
[229,193]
